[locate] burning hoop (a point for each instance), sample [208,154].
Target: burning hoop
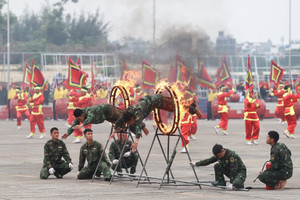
[168,129]
[115,91]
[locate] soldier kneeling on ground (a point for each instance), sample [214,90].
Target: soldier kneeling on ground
[229,163]
[54,150]
[129,159]
[91,151]
[281,163]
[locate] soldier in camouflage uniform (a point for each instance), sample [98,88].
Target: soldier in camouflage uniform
[91,151]
[54,150]
[281,163]
[229,163]
[129,159]
[94,115]
[135,114]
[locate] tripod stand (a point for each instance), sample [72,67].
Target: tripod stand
[166,180]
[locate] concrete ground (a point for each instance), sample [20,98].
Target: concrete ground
[21,160]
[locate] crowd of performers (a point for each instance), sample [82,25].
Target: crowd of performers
[82,114]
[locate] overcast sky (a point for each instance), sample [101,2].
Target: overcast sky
[245,20]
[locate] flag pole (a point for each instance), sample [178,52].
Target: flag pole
[290,43]
[154,30]
[8,44]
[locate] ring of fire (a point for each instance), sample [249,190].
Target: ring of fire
[167,130]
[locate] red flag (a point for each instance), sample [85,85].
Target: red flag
[172,74]
[26,75]
[276,73]
[204,78]
[183,74]
[223,73]
[249,77]
[76,77]
[37,77]
[150,75]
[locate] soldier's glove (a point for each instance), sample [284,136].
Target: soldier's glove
[71,166]
[115,161]
[192,164]
[230,186]
[127,154]
[51,171]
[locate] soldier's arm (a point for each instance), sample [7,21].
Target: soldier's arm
[47,159]
[70,130]
[66,154]
[207,161]
[233,167]
[81,159]
[275,160]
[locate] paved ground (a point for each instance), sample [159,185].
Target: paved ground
[21,161]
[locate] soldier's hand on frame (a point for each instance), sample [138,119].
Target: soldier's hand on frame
[192,164]
[115,161]
[146,131]
[51,171]
[127,154]
[64,136]
[71,166]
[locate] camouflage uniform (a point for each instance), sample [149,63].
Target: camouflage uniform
[114,153]
[92,154]
[281,166]
[53,152]
[231,165]
[97,114]
[143,108]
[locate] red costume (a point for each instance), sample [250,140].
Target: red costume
[279,111]
[37,116]
[251,118]
[223,109]
[21,107]
[73,97]
[186,125]
[288,100]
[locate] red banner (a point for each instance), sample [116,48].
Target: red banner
[37,77]
[150,75]
[27,75]
[76,77]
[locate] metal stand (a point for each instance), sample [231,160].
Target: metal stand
[166,180]
[120,158]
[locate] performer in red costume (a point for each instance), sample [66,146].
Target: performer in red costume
[288,100]
[251,118]
[223,109]
[187,124]
[84,100]
[279,111]
[21,107]
[37,116]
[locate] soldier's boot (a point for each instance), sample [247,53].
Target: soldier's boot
[58,175]
[107,174]
[132,170]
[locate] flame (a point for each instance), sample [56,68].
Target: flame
[178,89]
[128,80]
